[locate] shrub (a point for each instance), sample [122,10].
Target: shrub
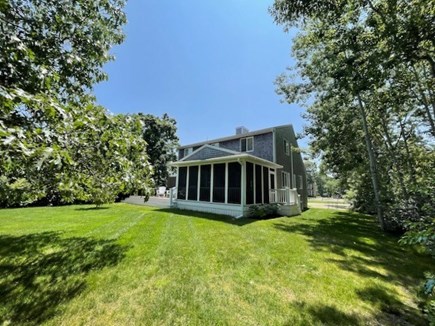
[262,211]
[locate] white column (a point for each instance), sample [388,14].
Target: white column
[199,181]
[187,183]
[226,183]
[211,183]
[262,186]
[243,185]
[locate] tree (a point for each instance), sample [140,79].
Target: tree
[57,47]
[56,145]
[162,142]
[366,73]
[355,73]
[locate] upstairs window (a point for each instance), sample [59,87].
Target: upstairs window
[188,151]
[247,144]
[286,147]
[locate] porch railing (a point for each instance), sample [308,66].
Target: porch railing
[284,196]
[172,196]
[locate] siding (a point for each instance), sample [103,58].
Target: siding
[288,133]
[263,146]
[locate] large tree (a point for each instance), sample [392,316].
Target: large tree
[366,73]
[55,143]
[162,143]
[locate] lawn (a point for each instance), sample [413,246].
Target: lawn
[127,265]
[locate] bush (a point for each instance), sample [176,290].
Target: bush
[263,211]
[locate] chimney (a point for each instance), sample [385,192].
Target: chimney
[241,130]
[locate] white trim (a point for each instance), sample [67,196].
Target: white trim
[262,186]
[226,183]
[230,158]
[274,144]
[199,182]
[187,182]
[243,184]
[287,147]
[209,146]
[246,144]
[254,186]
[211,182]
[234,210]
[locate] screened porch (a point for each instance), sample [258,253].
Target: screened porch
[226,185]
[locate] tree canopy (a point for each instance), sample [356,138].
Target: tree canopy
[56,144]
[365,71]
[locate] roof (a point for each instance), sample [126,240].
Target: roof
[222,159]
[229,156]
[251,133]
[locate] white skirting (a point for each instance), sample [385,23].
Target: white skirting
[215,208]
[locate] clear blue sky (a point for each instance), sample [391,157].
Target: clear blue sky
[208,64]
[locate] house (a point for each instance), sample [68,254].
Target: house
[227,175]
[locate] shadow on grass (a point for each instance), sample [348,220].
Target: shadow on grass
[95,208]
[323,315]
[38,272]
[213,217]
[361,248]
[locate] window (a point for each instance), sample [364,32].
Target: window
[285,179]
[188,151]
[215,144]
[247,144]
[286,147]
[300,183]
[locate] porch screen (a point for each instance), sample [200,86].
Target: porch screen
[258,185]
[193,183]
[219,183]
[204,191]
[266,184]
[234,182]
[249,183]
[182,177]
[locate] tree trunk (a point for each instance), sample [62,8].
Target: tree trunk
[372,163]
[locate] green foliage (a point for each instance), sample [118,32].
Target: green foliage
[58,47]
[262,211]
[162,142]
[56,145]
[367,75]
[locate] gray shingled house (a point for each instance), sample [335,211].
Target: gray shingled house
[227,175]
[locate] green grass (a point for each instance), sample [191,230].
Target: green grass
[127,265]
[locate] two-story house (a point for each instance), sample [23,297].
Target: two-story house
[227,175]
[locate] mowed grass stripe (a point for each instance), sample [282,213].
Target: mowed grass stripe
[179,268]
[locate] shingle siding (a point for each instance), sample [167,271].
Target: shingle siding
[263,146]
[288,133]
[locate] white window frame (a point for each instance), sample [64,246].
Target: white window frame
[285,179]
[247,141]
[286,147]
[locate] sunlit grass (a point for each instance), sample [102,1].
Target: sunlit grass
[136,265]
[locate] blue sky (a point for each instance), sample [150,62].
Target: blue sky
[208,64]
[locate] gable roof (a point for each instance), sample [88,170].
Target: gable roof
[249,134]
[208,151]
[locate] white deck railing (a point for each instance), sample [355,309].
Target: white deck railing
[172,196]
[284,196]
